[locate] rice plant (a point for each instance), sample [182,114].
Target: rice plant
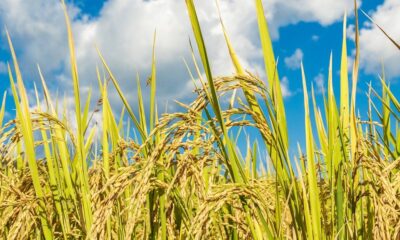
[182,175]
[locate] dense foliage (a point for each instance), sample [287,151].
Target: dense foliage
[182,175]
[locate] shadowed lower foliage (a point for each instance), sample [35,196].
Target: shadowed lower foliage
[201,173]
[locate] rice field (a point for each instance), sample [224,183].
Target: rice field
[182,175]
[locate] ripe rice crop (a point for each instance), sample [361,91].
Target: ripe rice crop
[183,176]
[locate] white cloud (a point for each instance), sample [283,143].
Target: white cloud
[375,48]
[315,38]
[123,31]
[320,83]
[293,11]
[285,88]
[294,61]
[350,32]
[37,31]
[3,67]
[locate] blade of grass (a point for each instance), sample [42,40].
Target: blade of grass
[24,117]
[312,175]
[80,151]
[344,82]
[383,31]
[2,110]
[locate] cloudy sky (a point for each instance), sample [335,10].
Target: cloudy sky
[302,30]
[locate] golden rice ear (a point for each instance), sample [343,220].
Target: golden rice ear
[234,166]
[184,176]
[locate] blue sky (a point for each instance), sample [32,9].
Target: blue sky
[302,30]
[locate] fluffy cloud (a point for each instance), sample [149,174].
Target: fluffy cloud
[123,31]
[375,48]
[325,12]
[319,81]
[294,61]
[3,67]
[37,30]
[315,38]
[285,88]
